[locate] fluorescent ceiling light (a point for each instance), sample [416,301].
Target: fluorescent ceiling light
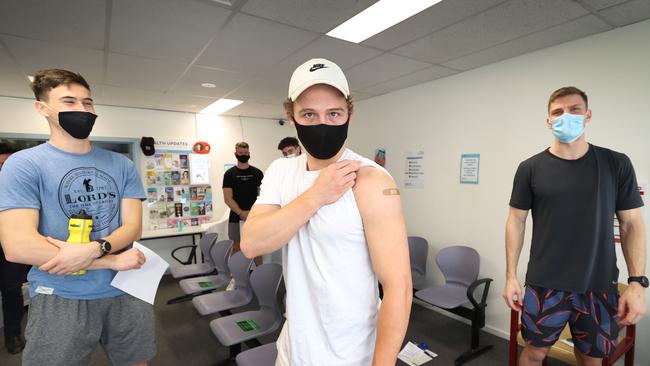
[381,15]
[221,106]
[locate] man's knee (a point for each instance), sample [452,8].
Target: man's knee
[585,360]
[534,354]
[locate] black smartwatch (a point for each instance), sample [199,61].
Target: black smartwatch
[643,280]
[104,246]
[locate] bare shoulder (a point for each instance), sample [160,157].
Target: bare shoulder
[368,175]
[373,183]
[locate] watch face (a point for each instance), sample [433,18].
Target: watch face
[106,247]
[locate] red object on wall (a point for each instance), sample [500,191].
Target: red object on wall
[201,147]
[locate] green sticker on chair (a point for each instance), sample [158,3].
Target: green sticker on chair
[206,284]
[248,325]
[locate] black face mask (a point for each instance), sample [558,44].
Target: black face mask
[322,141]
[77,123]
[242,158]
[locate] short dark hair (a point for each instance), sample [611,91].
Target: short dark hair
[6,148]
[46,80]
[563,92]
[288,141]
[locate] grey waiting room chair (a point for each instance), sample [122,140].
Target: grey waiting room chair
[418,252]
[245,327]
[241,295]
[195,286]
[198,269]
[219,256]
[460,266]
[264,355]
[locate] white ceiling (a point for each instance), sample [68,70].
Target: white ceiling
[157,53]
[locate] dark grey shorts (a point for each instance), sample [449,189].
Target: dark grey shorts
[233,231]
[66,331]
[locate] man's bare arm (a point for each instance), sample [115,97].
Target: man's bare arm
[381,211]
[515,230]
[21,241]
[230,201]
[632,306]
[24,244]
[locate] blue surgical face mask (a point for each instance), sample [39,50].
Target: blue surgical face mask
[568,127]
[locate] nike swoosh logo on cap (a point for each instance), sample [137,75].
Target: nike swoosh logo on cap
[317,67]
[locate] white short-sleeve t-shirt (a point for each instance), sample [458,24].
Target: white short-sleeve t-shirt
[332,296]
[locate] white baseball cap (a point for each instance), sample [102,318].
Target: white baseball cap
[317,71]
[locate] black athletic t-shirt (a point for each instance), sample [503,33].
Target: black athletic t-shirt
[244,184]
[573,204]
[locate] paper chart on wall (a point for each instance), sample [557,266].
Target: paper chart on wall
[199,172]
[414,169]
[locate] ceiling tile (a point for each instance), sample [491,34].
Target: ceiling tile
[343,53]
[358,96]
[14,82]
[418,77]
[382,68]
[184,103]
[316,16]
[33,56]
[128,97]
[428,21]
[141,73]
[78,23]
[268,89]
[225,81]
[563,33]
[169,30]
[252,45]
[250,109]
[502,23]
[628,13]
[602,4]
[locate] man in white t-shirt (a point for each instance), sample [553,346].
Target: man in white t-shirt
[341,216]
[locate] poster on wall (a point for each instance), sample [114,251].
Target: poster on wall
[380,156]
[469,168]
[414,169]
[199,173]
[174,198]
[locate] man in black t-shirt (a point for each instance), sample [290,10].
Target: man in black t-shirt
[574,190]
[12,277]
[241,186]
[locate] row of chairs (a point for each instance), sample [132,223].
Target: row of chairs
[460,266]
[204,284]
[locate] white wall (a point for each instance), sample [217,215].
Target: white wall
[499,111]
[19,119]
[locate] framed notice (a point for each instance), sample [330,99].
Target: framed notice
[469,168]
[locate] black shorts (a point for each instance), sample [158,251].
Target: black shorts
[591,317]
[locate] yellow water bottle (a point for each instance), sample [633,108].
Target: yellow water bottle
[80,226]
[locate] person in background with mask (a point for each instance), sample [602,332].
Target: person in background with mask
[241,186]
[341,216]
[40,189]
[12,277]
[574,189]
[289,147]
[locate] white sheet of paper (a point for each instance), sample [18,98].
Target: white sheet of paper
[142,283]
[413,355]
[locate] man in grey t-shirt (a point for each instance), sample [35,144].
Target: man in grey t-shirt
[41,188]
